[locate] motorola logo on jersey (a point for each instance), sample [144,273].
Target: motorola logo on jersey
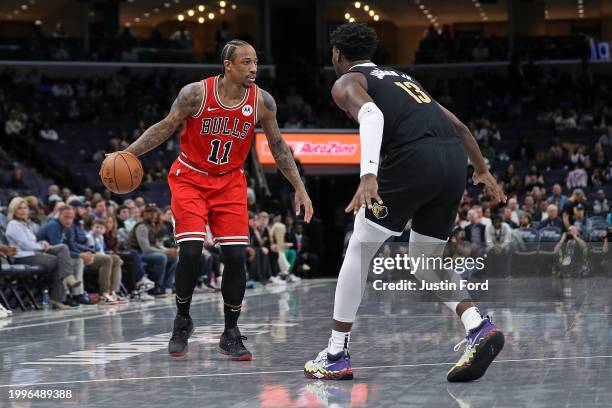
[220,125]
[247,110]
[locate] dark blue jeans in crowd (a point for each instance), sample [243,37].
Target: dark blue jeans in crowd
[161,269]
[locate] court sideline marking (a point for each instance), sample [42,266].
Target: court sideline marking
[170,377]
[146,309]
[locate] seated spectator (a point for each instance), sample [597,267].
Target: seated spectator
[475,232]
[133,276]
[307,261]
[48,133]
[54,258]
[579,216]
[525,221]
[109,280]
[157,172]
[62,230]
[16,181]
[14,125]
[258,261]
[499,241]
[99,208]
[600,204]
[605,140]
[557,197]
[566,119]
[182,38]
[553,219]
[577,178]
[507,217]
[161,261]
[533,178]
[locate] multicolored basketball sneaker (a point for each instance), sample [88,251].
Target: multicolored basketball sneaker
[482,345]
[330,366]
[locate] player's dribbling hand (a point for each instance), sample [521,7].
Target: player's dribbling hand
[491,186]
[367,190]
[302,199]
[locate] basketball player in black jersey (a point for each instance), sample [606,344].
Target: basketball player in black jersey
[413,167]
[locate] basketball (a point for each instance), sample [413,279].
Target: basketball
[121,172]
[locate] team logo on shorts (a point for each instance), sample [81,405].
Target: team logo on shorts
[247,110]
[379,211]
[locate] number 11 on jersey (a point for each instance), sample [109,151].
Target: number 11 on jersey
[214,152]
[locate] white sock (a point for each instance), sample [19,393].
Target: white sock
[338,342]
[471,318]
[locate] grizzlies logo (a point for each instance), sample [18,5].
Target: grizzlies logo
[379,211]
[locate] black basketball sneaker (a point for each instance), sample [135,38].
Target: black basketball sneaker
[183,329]
[231,345]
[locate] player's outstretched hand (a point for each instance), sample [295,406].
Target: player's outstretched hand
[367,190]
[302,199]
[491,186]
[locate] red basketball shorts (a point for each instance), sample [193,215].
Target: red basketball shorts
[199,198]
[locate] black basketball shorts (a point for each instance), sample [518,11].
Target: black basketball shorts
[424,183]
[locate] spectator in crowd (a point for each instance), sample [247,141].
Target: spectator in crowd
[605,140]
[557,197]
[14,125]
[161,261]
[108,279]
[54,258]
[576,198]
[99,208]
[512,204]
[307,261]
[507,217]
[573,253]
[553,219]
[475,232]
[525,221]
[133,276]
[577,178]
[258,253]
[600,204]
[63,230]
[157,172]
[182,38]
[16,180]
[48,133]
[499,239]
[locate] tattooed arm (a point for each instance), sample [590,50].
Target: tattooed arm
[186,103]
[281,152]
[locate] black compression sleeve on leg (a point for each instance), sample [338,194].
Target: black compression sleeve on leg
[233,283]
[187,274]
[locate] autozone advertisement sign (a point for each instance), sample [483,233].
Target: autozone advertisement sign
[315,148]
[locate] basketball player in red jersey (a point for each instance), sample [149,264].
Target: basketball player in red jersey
[208,184]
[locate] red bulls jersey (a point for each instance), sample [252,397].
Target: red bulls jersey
[218,138]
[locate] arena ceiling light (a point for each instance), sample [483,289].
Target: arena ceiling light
[580,6]
[190,13]
[222,11]
[211,16]
[201,20]
[201,8]
[180,17]
[357,5]
[428,13]
[222,4]
[234,6]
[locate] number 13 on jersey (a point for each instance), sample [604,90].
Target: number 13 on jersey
[413,90]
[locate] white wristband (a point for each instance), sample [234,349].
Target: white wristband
[371,126]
